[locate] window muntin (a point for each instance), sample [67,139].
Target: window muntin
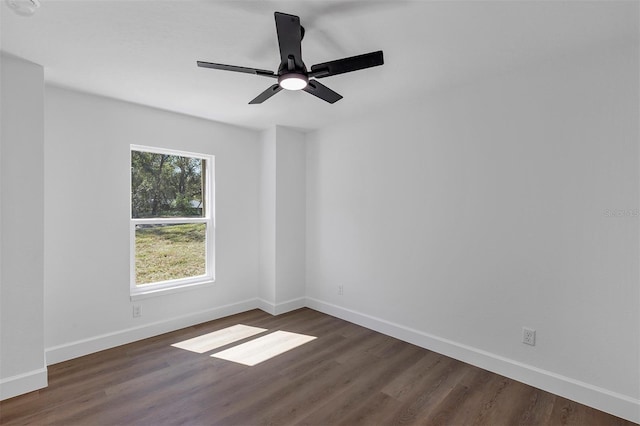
[172,226]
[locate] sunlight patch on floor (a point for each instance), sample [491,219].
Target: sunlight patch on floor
[210,341]
[264,348]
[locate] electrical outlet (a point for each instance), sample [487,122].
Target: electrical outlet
[340,289]
[528,336]
[137,311]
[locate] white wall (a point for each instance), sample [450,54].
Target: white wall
[282,219]
[22,367]
[267,284]
[87,214]
[460,218]
[291,214]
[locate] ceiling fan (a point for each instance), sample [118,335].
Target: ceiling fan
[292,73]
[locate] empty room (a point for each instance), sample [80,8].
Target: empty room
[319,212]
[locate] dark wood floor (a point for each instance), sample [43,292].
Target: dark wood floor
[349,375]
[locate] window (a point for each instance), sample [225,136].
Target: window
[172,227]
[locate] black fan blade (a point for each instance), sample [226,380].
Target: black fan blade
[341,66]
[266,94]
[289,38]
[264,73]
[323,92]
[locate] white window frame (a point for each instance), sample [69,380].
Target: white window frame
[171,286]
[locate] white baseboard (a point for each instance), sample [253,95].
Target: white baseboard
[290,305]
[109,340]
[282,307]
[266,306]
[602,399]
[23,383]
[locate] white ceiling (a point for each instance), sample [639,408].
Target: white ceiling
[145,51]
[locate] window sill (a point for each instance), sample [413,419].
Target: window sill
[146,294]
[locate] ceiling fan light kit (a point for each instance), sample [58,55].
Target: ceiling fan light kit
[293,81]
[292,73]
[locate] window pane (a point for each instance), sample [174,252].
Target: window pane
[169,252]
[164,185]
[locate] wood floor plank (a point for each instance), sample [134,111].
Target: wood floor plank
[349,375]
[539,409]
[373,411]
[495,410]
[352,395]
[216,339]
[433,390]
[407,382]
[264,348]
[464,391]
[301,391]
